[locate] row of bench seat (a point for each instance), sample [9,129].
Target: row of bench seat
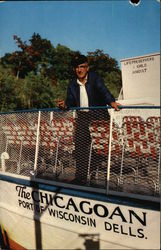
[136,138]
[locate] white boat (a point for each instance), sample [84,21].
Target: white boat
[40,208]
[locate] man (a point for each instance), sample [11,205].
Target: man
[87,89]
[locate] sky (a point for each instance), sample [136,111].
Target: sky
[117,27]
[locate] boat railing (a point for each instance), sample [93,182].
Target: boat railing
[121,151]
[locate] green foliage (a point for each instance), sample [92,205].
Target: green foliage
[112,81]
[30,57]
[38,73]
[101,62]
[108,68]
[60,90]
[8,95]
[37,92]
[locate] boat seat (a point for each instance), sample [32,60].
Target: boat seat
[100,133]
[20,141]
[56,140]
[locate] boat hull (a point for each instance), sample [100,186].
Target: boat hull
[38,216]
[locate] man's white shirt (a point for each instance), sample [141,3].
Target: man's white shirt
[83,95]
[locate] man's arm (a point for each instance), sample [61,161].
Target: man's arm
[110,100]
[70,99]
[69,102]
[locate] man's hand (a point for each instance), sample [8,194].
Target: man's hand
[115,105]
[61,104]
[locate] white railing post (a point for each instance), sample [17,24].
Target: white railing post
[51,116]
[37,143]
[56,157]
[6,146]
[20,156]
[109,149]
[4,157]
[89,163]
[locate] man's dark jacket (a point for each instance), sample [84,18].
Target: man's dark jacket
[98,94]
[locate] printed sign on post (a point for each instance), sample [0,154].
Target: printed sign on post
[141,77]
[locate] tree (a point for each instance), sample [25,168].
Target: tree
[37,92]
[36,74]
[8,95]
[61,63]
[108,68]
[30,57]
[113,82]
[101,62]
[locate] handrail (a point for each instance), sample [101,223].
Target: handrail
[78,108]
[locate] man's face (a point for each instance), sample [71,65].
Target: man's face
[82,71]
